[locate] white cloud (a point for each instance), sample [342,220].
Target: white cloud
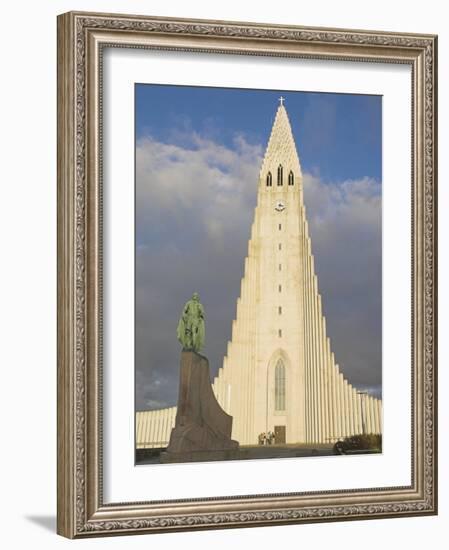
[206,173]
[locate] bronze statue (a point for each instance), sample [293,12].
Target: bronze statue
[202,428]
[191,329]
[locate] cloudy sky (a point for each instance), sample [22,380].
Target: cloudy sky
[198,156]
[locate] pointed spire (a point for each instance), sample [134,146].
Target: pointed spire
[281,148]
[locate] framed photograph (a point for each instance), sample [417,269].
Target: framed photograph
[246,274]
[214,195]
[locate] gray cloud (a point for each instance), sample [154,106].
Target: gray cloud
[195,203]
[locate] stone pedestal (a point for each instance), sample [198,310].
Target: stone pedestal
[202,430]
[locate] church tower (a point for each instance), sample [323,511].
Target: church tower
[279,373]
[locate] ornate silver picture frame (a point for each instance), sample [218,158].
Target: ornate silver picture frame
[83,511]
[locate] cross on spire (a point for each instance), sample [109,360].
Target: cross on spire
[281,100]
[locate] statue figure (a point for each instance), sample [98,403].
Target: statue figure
[202,428]
[191,328]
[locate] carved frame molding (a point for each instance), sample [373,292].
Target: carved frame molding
[81,39]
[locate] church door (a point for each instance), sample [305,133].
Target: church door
[279,435]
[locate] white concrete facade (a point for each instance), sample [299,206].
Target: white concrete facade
[279,373]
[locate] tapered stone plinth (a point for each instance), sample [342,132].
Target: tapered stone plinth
[202,428]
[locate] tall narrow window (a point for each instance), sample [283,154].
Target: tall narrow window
[280,173]
[269,180]
[291,178]
[280,310]
[280,226]
[280,246]
[280,288]
[279,386]
[280,333]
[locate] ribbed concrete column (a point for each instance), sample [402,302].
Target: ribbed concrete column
[371,406]
[360,413]
[251,365]
[140,436]
[342,404]
[146,428]
[226,376]
[149,432]
[371,410]
[376,416]
[363,413]
[320,369]
[347,409]
[338,402]
[159,426]
[244,360]
[366,413]
[334,399]
[379,406]
[160,434]
[344,425]
[316,365]
[324,371]
[156,427]
[330,384]
[251,368]
[139,427]
[310,341]
[150,428]
[319,365]
[350,410]
[312,364]
[307,345]
[169,425]
[249,435]
[306,341]
[345,405]
[238,373]
[220,387]
[163,426]
[322,374]
[356,409]
[167,428]
[371,399]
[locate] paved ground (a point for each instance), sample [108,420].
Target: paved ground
[153,456]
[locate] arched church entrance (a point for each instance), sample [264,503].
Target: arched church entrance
[278,397]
